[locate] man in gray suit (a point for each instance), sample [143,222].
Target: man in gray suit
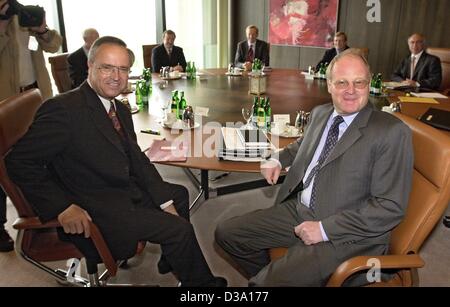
[419,69]
[252,48]
[346,189]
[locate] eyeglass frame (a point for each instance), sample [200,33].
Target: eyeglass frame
[108,70]
[345,84]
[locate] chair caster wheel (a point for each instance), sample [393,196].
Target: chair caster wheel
[446,221]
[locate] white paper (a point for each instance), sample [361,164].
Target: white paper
[282,119]
[429,95]
[201,111]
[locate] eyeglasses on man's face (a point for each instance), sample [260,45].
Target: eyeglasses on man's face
[110,69]
[359,84]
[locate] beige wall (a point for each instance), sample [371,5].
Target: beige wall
[386,40]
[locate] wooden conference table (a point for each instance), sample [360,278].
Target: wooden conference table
[225,96]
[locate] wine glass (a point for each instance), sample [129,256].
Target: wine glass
[165,106]
[247,114]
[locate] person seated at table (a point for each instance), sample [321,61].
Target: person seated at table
[167,54]
[251,49]
[78,67]
[90,168]
[419,69]
[347,188]
[340,45]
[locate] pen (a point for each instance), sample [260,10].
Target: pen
[150,131]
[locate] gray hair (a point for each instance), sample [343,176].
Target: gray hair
[169,32]
[88,32]
[353,52]
[109,40]
[252,27]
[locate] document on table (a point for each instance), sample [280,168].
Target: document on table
[429,95]
[417,100]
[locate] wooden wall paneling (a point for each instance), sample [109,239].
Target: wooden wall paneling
[379,37]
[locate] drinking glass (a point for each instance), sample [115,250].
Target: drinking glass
[247,114]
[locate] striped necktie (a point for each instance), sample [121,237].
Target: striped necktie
[250,54]
[332,138]
[114,119]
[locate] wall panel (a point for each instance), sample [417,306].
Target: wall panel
[386,40]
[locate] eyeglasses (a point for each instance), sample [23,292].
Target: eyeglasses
[359,84]
[110,69]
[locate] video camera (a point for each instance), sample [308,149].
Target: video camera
[29,15]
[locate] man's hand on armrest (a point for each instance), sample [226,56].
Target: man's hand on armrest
[271,170]
[75,220]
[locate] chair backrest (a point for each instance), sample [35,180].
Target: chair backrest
[16,115]
[430,192]
[60,72]
[147,54]
[364,51]
[444,55]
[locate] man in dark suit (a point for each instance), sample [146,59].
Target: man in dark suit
[419,69]
[251,49]
[340,45]
[78,67]
[91,168]
[346,189]
[167,54]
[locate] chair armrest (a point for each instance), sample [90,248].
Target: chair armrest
[34,223]
[361,263]
[25,223]
[103,249]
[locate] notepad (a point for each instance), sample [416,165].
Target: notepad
[417,100]
[167,151]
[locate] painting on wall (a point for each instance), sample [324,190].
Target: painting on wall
[303,22]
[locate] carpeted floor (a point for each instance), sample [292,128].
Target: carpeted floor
[142,269]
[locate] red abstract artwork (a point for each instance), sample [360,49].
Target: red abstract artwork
[303,22]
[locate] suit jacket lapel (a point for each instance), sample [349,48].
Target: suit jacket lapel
[351,135]
[100,118]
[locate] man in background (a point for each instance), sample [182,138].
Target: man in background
[78,67]
[340,44]
[22,67]
[252,48]
[419,69]
[167,54]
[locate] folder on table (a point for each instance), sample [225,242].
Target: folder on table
[437,118]
[167,151]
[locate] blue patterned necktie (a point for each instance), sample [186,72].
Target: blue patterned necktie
[330,142]
[115,120]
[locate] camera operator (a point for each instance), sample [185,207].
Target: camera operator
[22,67]
[21,55]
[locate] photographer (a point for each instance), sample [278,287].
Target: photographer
[22,66]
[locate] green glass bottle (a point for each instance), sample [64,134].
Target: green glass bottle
[174,104]
[138,95]
[181,105]
[268,111]
[193,71]
[188,70]
[261,114]
[255,110]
